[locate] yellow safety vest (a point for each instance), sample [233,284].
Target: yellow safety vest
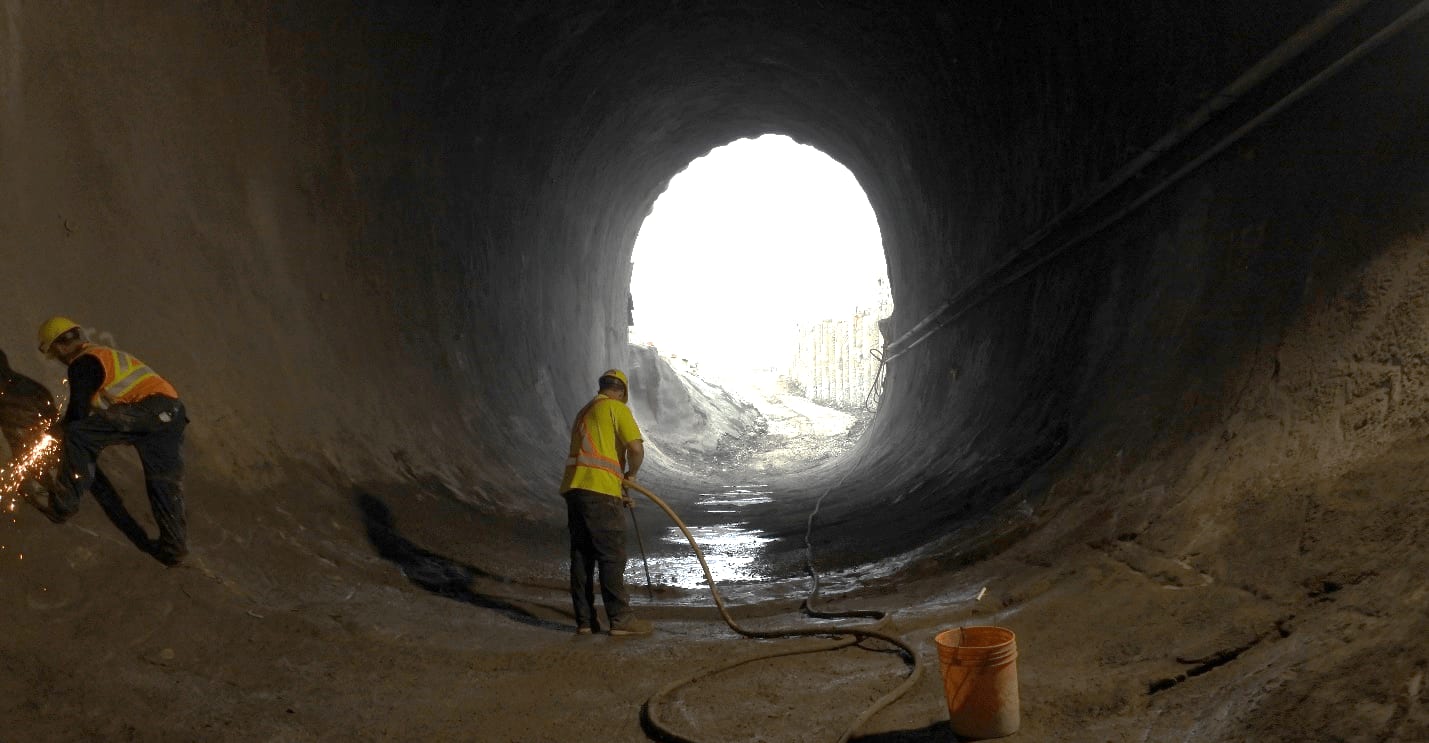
[126,379]
[590,468]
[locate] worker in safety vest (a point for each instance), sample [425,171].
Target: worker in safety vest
[606,445]
[115,399]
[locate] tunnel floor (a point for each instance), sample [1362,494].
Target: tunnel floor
[406,627]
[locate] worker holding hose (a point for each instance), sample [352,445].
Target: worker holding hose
[606,446]
[116,399]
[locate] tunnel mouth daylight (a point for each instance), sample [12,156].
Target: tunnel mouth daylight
[758,277]
[758,287]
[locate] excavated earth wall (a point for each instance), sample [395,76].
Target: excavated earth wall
[382,248]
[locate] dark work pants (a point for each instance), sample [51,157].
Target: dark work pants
[597,524]
[155,428]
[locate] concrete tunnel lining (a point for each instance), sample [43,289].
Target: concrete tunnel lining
[413,228]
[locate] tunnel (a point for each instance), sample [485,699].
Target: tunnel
[1156,386]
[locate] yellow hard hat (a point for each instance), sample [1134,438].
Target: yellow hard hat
[618,374]
[53,328]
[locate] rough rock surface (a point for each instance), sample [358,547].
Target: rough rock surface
[381,247]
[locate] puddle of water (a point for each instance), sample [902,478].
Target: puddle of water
[737,495]
[732,551]
[736,556]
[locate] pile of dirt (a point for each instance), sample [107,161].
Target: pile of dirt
[686,418]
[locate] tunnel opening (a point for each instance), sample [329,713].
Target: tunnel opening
[758,281]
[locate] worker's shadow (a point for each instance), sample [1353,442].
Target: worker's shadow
[432,572]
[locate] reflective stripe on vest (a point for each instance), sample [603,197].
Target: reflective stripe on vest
[589,455]
[126,379]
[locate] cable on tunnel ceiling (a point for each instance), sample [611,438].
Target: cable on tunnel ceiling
[1027,258]
[877,355]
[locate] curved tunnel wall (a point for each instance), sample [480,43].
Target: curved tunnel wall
[392,242]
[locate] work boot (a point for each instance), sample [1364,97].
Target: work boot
[631,626]
[42,500]
[169,554]
[583,630]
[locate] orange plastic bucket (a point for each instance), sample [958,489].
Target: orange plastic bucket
[979,666]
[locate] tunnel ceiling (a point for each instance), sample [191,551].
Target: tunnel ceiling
[969,126]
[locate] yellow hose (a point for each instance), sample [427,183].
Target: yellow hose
[854,635]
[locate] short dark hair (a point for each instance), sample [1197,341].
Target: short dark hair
[611,383]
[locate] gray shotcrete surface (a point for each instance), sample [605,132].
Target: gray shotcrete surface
[382,249]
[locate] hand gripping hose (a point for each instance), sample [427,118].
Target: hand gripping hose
[650,713]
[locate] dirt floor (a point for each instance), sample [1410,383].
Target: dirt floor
[330,610]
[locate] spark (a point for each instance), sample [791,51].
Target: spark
[24,467]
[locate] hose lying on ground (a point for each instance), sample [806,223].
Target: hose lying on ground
[852,635]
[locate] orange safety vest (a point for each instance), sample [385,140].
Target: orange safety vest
[126,379]
[588,454]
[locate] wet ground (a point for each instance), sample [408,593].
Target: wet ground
[800,434]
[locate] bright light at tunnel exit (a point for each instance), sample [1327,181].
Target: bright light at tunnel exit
[747,243]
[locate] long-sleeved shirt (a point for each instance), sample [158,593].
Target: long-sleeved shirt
[86,375]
